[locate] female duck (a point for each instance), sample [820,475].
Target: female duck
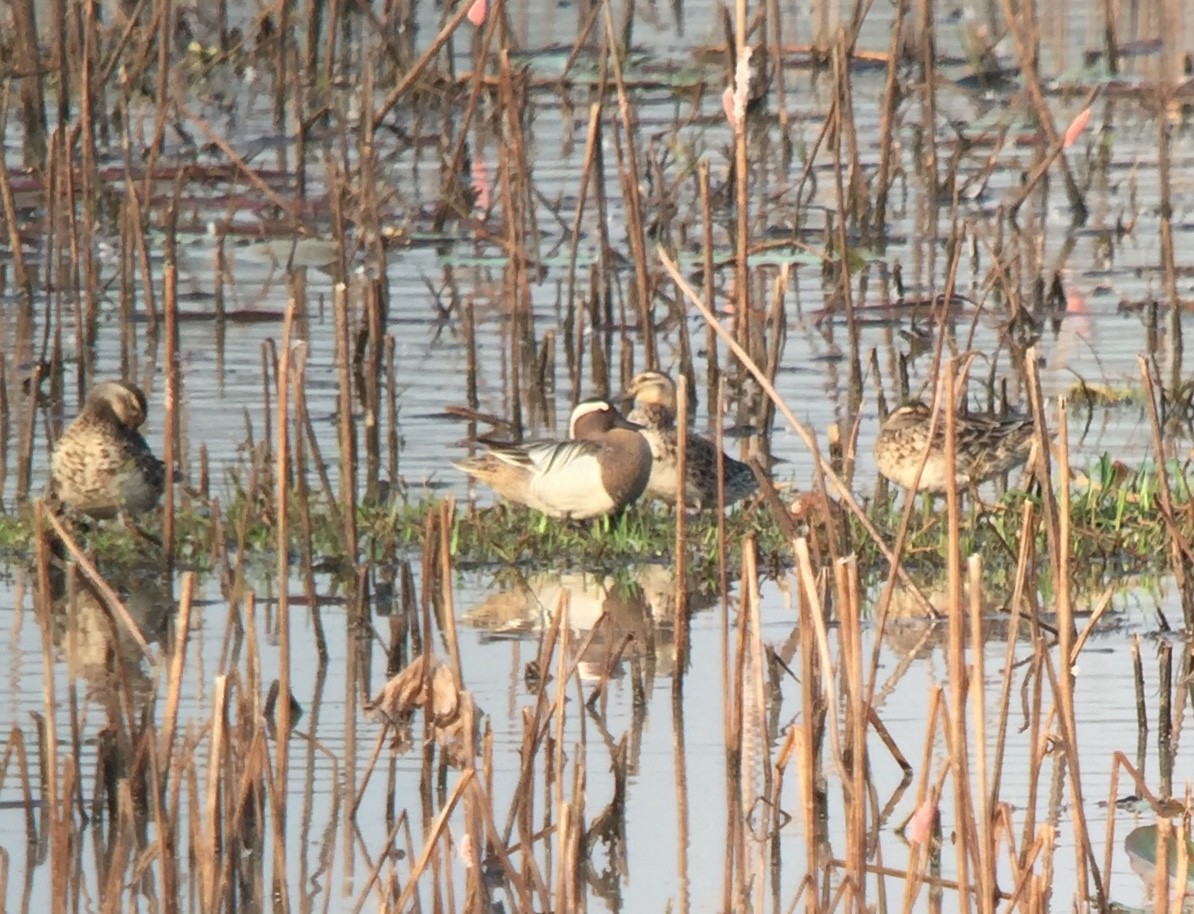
[654,395]
[601,470]
[985,447]
[101,465]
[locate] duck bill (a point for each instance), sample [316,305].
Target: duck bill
[621,421]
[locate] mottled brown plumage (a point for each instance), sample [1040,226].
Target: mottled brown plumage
[985,447]
[654,395]
[101,465]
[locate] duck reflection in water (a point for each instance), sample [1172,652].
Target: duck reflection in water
[617,627]
[613,620]
[94,639]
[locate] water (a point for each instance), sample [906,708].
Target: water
[1094,335]
[665,740]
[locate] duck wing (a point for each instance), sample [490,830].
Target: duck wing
[544,456]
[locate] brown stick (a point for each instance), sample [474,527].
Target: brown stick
[111,599]
[421,64]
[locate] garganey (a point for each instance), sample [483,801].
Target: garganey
[654,395]
[599,471]
[101,465]
[985,447]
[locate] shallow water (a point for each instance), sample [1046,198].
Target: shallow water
[495,646]
[1095,335]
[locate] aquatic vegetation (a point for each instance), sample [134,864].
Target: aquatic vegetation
[1115,530]
[335,245]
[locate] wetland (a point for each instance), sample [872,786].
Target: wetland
[342,246]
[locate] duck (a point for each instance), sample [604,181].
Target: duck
[601,469]
[101,466]
[654,396]
[986,447]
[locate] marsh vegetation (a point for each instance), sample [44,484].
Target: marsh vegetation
[339,245]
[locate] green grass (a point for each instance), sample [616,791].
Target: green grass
[1116,528]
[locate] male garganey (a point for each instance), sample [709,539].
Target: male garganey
[599,471]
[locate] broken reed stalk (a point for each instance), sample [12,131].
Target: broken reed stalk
[959,752]
[981,801]
[1057,151]
[756,733]
[712,370]
[587,173]
[411,76]
[680,588]
[346,427]
[1023,560]
[1181,561]
[777,318]
[927,59]
[72,284]
[854,699]
[1168,264]
[845,182]
[12,224]
[5,425]
[512,185]
[734,874]
[33,104]
[170,411]
[182,628]
[741,182]
[28,432]
[627,155]
[51,803]
[393,439]
[282,709]
[369,375]
[1110,36]
[51,348]
[447,621]
[208,850]
[1165,716]
[1044,473]
[810,731]
[110,598]
[888,125]
[302,423]
[127,273]
[140,231]
[820,645]
[1027,42]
